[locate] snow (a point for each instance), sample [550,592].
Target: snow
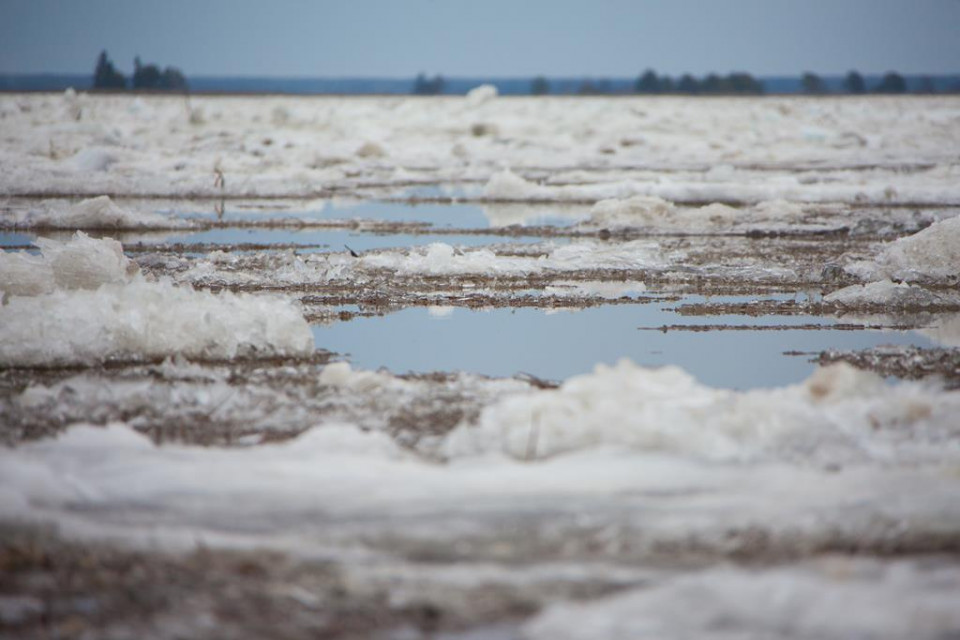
[611,502]
[889,294]
[728,150]
[931,254]
[140,319]
[481,94]
[837,415]
[93,159]
[83,301]
[835,598]
[81,263]
[93,213]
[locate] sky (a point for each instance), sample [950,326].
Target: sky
[505,38]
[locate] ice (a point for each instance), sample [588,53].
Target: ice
[83,302]
[94,213]
[838,414]
[81,263]
[889,294]
[655,212]
[835,598]
[635,211]
[436,139]
[506,185]
[142,319]
[339,487]
[481,94]
[93,159]
[931,254]
[23,274]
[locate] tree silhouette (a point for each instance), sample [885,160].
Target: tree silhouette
[854,83]
[539,86]
[712,84]
[145,76]
[743,83]
[647,83]
[106,76]
[892,82]
[813,84]
[688,84]
[172,79]
[423,86]
[926,85]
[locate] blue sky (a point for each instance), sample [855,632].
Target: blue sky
[483,37]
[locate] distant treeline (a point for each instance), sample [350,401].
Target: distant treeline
[738,83]
[146,77]
[152,77]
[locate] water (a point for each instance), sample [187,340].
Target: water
[557,344]
[458,216]
[335,240]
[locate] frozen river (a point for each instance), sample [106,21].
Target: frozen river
[480,367]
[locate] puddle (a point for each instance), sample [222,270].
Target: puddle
[16,239]
[558,344]
[334,240]
[457,216]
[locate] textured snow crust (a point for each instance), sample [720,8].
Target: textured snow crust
[862,150]
[83,301]
[931,254]
[838,414]
[81,263]
[93,213]
[835,598]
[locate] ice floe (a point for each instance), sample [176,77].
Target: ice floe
[93,213]
[931,254]
[145,320]
[890,294]
[81,263]
[83,301]
[838,414]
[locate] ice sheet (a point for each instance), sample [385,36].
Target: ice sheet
[883,149]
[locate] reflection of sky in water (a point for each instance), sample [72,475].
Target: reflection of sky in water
[503,342]
[462,216]
[15,239]
[334,240]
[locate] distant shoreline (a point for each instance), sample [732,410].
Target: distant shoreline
[252,85]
